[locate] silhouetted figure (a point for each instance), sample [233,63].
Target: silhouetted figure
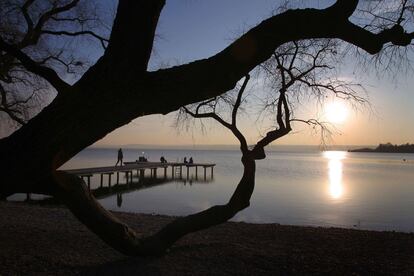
[142,159]
[191,160]
[163,160]
[185,160]
[120,158]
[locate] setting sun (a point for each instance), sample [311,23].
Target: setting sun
[335,112]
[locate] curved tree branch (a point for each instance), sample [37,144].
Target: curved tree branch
[239,100]
[100,38]
[131,92]
[74,193]
[45,72]
[222,71]
[231,126]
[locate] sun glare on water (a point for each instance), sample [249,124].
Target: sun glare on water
[336,112]
[336,187]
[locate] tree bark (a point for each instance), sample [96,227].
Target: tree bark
[77,197]
[118,89]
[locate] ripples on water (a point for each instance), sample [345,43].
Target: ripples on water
[332,188]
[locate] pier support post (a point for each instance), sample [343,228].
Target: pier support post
[88,179]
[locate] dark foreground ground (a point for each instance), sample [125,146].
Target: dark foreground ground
[49,240]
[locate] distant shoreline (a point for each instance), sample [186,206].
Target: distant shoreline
[388,148]
[271,148]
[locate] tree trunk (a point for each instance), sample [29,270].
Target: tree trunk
[118,89]
[74,193]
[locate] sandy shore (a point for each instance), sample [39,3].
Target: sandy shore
[50,241]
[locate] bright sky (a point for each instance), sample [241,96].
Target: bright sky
[194,29]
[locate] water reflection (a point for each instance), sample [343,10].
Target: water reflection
[140,182]
[119,200]
[336,188]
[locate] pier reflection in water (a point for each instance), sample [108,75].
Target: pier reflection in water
[335,169]
[141,181]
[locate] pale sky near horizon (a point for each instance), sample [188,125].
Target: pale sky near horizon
[195,29]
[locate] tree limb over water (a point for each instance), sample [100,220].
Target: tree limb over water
[119,88]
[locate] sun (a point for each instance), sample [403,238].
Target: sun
[336,112]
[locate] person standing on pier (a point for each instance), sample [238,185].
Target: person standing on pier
[120,158]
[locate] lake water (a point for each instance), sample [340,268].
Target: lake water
[298,186]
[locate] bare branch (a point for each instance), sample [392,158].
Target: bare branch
[238,100]
[326,129]
[231,126]
[26,15]
[100,38]
[45,72]
[50,13]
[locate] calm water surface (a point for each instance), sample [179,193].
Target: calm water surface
[331,188]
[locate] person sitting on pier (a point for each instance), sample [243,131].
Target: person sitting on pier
[185,160]
[120,158]
[191,161]
[142,159]
[163,160]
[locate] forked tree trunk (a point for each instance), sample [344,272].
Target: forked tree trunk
[118,89]
[74,193]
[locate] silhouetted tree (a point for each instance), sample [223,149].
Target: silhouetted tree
[35,27]
[293,69]
[118,88]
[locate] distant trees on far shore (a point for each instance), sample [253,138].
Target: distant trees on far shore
[388,147]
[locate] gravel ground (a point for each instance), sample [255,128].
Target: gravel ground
[41,240]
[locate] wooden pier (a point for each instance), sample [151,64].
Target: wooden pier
[128,168]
